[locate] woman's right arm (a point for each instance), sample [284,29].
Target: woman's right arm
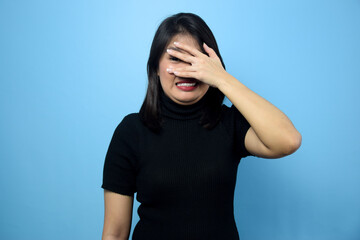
[118,216]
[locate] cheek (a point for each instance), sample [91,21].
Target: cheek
[162,68]
[166,79]
[204,87]
[166,66]
[164,73]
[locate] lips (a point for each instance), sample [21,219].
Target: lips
[187,85]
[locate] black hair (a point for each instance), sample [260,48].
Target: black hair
[181,23]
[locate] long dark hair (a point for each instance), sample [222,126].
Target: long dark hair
[181,23]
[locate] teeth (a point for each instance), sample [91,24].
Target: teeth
[186,84]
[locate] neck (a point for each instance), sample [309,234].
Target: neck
[173,110]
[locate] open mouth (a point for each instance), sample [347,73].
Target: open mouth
[186,84]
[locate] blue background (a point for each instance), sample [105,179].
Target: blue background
[71,70]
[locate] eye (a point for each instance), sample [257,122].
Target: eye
[174,59]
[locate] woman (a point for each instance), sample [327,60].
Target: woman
[180,153]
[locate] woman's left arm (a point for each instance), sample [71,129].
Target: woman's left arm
[272,134]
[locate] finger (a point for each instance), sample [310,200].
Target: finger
[183,69]
[210,51]
[186,74]
[191,50]
[182,56]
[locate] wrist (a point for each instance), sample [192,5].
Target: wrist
[225,81]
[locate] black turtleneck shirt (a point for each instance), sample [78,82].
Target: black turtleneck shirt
[184,175]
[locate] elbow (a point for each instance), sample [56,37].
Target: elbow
[124,235]
[112,237]
[292,143]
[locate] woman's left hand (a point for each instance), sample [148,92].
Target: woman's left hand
[207,69]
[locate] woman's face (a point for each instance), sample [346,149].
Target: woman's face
[184,91]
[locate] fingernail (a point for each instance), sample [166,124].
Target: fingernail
[176,43]
[169,70]
[169,50]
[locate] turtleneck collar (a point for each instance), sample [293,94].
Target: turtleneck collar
[173,110]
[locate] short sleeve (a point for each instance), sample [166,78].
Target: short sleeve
[237,127]
[119,173]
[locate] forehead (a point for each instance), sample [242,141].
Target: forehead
[183,38]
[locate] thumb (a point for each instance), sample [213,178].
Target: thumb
[210,51]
